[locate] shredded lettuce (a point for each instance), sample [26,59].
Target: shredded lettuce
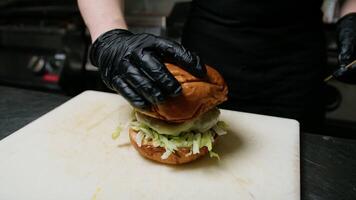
[220,128]
[116,133]
[206,141]
[191,139]
[196,143]
[214,155]
[199,124]
[166,154]
[139,138]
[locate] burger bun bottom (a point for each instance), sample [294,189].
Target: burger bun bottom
[155,153]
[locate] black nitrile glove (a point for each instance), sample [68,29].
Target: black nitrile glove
[346,29]
[132,65]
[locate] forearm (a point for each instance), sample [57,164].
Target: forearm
[348,7]
[102,15]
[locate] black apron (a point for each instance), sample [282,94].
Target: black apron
[271,54]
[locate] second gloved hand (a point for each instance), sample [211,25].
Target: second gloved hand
[346,29]
[132,65]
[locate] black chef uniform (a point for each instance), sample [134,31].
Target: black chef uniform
[271,54]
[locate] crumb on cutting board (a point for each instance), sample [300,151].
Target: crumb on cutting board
[95,195]
[117,132]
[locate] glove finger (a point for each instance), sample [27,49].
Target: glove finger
[159,73]
[142,84]
[136,100]
[346,54]
[177,54]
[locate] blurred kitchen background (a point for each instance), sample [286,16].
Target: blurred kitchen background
[44,46]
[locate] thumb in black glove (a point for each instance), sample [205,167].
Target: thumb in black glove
[132,65]
[346,29]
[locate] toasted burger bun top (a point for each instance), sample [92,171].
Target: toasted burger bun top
[198,96]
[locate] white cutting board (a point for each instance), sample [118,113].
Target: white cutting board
[69,154]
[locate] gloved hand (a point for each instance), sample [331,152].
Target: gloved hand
[346,29]
[132,65]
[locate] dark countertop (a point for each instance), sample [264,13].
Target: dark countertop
[328,164]
[19,107]
[328,168]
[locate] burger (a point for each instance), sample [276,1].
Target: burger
[183,128]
